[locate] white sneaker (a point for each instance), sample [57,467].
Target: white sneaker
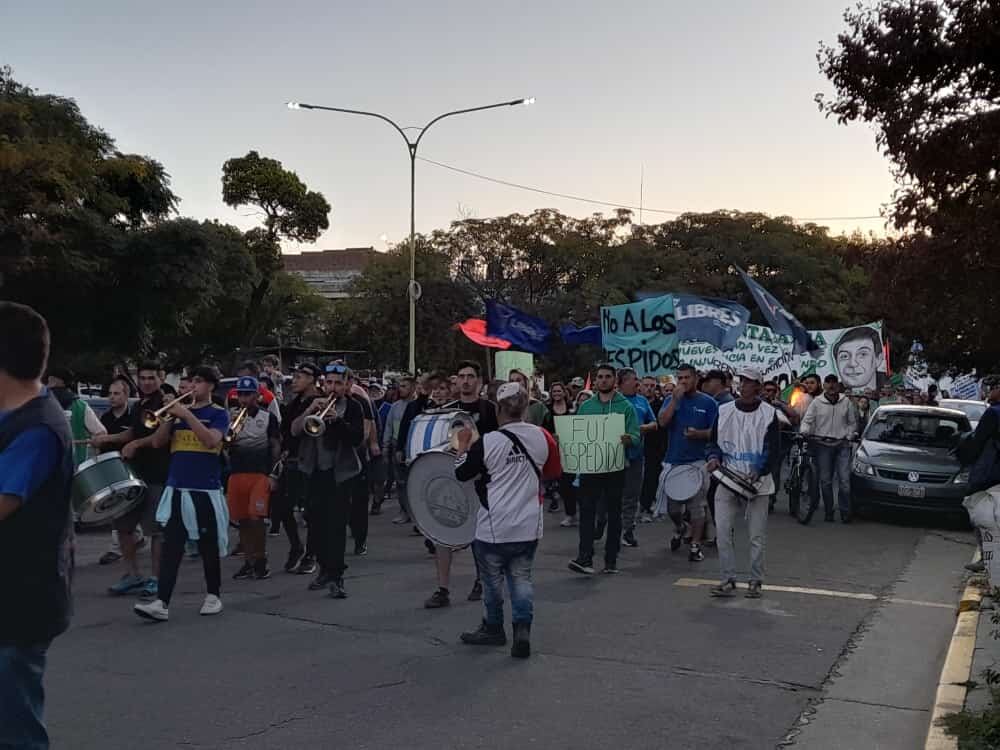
[569,521]
[212,605]
[646,518]
[155,610]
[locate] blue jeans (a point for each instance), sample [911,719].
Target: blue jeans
[22,698]
[513,560]
[834,461]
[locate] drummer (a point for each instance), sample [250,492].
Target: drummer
[150,464]
[688,416]
[468,377]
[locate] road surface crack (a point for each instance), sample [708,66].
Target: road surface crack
[879,705]
[430,639]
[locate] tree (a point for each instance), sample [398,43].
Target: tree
[291,211]
[926,75]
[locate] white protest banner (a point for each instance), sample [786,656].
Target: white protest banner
[642,335]
[507,361]
[591,443]
[854,354]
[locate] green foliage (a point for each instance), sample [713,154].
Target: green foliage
[976,730]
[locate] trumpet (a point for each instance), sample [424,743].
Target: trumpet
[315,424]
[153,419]
[236,427]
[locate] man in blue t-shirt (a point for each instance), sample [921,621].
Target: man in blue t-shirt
[688,416]
[192,505]
[628,384]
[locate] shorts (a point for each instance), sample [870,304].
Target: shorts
[248,496]
[143,514]
[695,506]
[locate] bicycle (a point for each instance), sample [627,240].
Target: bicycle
[801,503]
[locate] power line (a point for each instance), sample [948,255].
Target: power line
[610,204]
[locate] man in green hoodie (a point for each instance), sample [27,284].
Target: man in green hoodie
[604,488]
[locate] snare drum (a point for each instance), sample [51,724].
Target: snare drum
[443,508]
[104,488]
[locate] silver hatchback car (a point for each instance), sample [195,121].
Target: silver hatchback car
[905,459]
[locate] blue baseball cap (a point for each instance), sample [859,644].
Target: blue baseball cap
[247,384]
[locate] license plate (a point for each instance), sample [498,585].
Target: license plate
[904,490]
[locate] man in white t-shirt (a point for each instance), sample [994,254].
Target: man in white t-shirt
[509,465]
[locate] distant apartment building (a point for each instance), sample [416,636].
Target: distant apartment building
[330,272]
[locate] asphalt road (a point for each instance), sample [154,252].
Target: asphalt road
[641,660]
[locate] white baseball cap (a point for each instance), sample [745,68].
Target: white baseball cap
[509,390]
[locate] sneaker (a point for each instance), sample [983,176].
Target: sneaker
[127,584]
[401,520]
[150,588]
[238,552]
[360,549]
[438,599]
[476,595]
[754,592]
[109,557]
[261,571]
[629,540]
[321,581]
[485,635]
[695,554]
[337,590]
[294,556]
[211,606]
[569,521]
[521,647]
[155,610]
[579,566]
[244,572]
[376,508]
[646,518]
[554,506]
[678,538]
[306,566]
[611,570]
[726,589]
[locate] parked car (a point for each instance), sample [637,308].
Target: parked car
[973,409]
[905,459]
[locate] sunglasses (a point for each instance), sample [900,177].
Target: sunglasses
[336,369]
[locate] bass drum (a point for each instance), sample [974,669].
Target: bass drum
[435,430]
[104,488]
[443,508]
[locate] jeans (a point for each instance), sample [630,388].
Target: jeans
[22,697]
[512,560]
[833,460]
[601,490]
[631,491]
[174,538]
[727,507]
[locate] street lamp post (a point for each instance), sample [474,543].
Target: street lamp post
[413,291]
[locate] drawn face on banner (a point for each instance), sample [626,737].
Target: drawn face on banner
[859,357]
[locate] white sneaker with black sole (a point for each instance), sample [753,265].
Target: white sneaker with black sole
[212,605]
[155,610]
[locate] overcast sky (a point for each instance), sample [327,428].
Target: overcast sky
[713,100]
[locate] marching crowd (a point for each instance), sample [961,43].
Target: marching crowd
[333,449]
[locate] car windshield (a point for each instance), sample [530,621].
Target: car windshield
[973,410]
[916,429]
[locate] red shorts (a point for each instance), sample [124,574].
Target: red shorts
[248,496]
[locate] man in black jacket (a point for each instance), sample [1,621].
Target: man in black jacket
[36,468]
[305,381]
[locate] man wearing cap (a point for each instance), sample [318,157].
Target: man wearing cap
[292,491]
[745,442]
[254,450]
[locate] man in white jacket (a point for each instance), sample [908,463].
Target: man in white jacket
[831,422]
[509,464]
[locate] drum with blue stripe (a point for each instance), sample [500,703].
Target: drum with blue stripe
[433,430]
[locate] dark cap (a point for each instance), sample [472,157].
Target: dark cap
[308,368]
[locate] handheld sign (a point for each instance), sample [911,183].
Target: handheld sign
[591,443]
[507,361]
[642,335]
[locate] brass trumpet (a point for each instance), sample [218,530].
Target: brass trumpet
[236,427]
[315,424]
[153,419]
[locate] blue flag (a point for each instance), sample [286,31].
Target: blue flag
[718,322]
[780,320]
[575,336]
[523,331]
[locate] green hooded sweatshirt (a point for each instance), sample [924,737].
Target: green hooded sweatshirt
[617,405]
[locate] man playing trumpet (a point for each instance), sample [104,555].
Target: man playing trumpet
[254,442]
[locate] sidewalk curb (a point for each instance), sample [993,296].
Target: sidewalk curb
[957,669]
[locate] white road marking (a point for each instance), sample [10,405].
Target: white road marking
[695,582]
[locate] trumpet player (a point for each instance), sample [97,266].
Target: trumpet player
[254,447]
[332,429]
